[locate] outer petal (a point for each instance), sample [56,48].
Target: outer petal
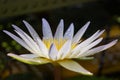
[31,30]
[90,46]
[27,38]
[59,31]
[26,41]
[98,49]
[29,42]
[20,41]
[69,33]
[37,39]
[47,33]
[30,56]
[74,66]
[80,33]
[87,42]
[29,59]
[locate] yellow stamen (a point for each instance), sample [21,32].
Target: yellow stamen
[58,43]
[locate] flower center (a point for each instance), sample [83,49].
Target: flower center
[58,43]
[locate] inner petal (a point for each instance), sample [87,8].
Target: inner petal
[58,43]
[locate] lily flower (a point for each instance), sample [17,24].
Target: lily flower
[60,48]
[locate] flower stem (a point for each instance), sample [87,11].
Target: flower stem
[57,72]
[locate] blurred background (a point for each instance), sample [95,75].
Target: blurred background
[103,14]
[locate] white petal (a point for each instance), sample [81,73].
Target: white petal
[64,51]
[30,42]
[92,38]
[74,66]
[59,31]
[87,41]
[36,37]
[32,32]
[80,33]
[53,52]
[85,49]
[20,41]
[24,35]
[43,48]
[99,49]
[17,28]
[69,33]
[47,33]
[29,56]
[25,59]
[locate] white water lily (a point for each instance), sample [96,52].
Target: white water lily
[60,48]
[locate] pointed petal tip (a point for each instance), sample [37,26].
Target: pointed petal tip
[115,41]
[47,32]
[24,21]
[112,43]
[44,20]
[72,24]
[89,73]
[4,31]
[88,22]
[86,73]
[13,25]
[10,54]
[103,30]
[62,20]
